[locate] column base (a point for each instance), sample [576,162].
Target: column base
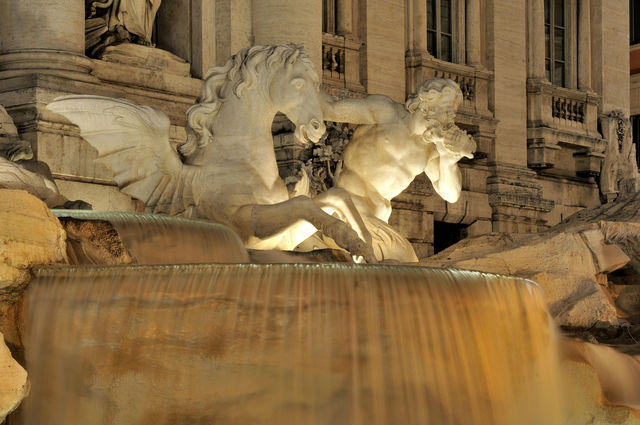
[50,62]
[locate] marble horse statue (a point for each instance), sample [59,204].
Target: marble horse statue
[226,171]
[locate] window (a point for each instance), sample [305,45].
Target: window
[634,21]
[635,134]
[555,31]
[440,28]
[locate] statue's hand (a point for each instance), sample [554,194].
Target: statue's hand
[347,238]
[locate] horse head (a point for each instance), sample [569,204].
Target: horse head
[295,93]
[279,78]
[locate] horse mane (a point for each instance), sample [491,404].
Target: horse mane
[241,73]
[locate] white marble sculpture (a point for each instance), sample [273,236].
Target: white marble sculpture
[19,170]
[397,143]
[226,171]
[118,21]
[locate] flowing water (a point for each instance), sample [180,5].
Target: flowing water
[313,344]
[164,239]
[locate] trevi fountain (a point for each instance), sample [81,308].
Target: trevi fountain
[237,299]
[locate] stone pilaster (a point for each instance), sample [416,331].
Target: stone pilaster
[538,40]
[290,21]
[584,45]
[43,36]
[344,14]
[473,35]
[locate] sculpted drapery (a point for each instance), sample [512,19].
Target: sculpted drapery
[112,22]
[136,16]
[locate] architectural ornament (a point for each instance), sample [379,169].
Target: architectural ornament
[619,176]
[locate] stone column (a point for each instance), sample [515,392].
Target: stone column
[584,45]
[345,17]
[290,21]
[538,43]
[44,36]
[474,54]
[419,25]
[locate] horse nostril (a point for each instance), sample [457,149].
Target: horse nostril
[315,124]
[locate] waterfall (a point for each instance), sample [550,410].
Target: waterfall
[321,344]
[165,239]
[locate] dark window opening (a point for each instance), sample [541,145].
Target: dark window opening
[634,21]
[555,32]
[440,29]
[447,234]
[635,134]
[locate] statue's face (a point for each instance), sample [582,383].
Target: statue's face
[296,94]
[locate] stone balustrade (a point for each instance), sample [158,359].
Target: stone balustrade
[564,108]
[563,124]
[341,66]
[467,83]
[333,58]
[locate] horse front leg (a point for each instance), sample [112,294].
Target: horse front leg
[265,221]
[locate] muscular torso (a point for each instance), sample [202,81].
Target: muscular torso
[379,163]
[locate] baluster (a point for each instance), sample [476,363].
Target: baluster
[334,61]
[572,112]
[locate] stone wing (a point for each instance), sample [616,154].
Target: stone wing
[133,141]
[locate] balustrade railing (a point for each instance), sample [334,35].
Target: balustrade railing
[467,84]
[333,62]
[568,109]
[341,66]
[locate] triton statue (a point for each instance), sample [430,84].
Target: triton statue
[397,143]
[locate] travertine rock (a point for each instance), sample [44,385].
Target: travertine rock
[602,384]
[570,261]
[14,385]
[29,235]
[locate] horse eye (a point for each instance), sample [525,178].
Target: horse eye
[298,83]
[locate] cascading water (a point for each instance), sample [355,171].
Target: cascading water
[164,239]
[288,344]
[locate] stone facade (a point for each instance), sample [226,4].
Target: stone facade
[540,148]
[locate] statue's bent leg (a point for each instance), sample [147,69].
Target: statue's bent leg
[268,220]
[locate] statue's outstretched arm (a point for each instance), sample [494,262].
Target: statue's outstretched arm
[373,109]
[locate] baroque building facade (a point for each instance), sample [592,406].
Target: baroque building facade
[539,79]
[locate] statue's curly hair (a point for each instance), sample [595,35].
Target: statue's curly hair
[430,92]
[240,73]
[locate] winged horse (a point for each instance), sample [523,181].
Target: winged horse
[226,171]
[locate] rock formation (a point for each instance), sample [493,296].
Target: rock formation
[574,262]
[14,385]
[30,235]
